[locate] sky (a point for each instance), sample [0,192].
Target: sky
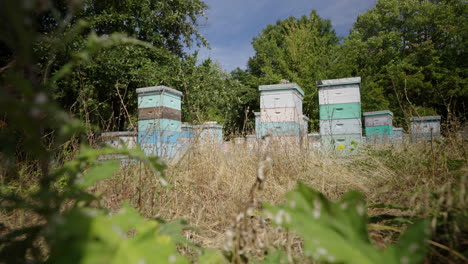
[232,24]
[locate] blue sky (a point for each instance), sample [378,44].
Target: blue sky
[232,24]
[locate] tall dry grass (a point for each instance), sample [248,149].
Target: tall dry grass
[210,188]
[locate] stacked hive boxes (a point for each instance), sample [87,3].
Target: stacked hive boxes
[159,120]
[379,126]
[340,113]
[425,128]
[280,110]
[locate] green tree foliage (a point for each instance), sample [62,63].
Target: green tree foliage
[299,50]
[101,91]
[412,56]
[210,94]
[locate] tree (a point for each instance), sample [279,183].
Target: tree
[411,55]
[100,90]
[297,49]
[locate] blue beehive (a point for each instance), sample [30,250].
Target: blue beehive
[159,120]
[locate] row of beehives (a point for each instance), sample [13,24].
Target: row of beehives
[379,127]
[161,132]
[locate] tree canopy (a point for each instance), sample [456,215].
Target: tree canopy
[300,50]
[412,56]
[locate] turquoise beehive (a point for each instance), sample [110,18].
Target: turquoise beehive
[159,120]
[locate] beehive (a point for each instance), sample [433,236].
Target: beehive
[425,127]
[314,140]
[339,91]
[398,131]
[379,126]
[340,126]
[278,129]
[398,135]
[280,110]
[159,120]
[344,143]
[305,125]
[378,118]
[209,132]
[120,139]
[258,124]
[340,113]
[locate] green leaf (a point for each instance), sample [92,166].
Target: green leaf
[174,229]
[88,235]
[276,257]
[212,256]
[388,206]
[337,231]
[96,173]
[412,246]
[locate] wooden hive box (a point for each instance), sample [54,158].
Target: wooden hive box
[340,126]
[425,125]
[378,118]
[339,91]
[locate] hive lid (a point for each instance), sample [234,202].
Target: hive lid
[185,125]
[336,82]
[160,88]
[382,112]
[281,86]
[425,118]
[210,124]
[119,134]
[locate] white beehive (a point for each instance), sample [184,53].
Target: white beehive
[340,126]
[120,139]
[378,118]
[339,91]
[280,110]
[425,125]
[290,114]
[287,95]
